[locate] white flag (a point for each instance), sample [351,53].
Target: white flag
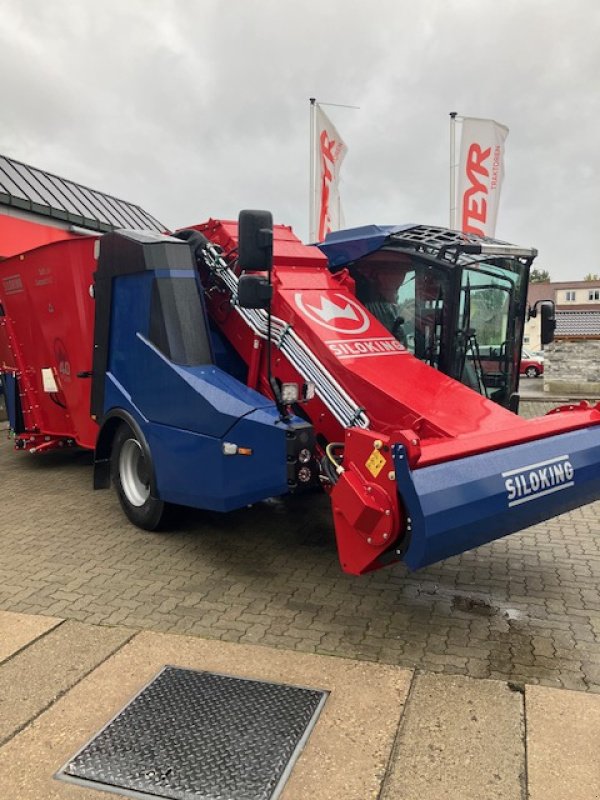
[480,174]
[330,152]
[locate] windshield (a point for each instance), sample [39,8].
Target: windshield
[409,297]
[485,339]
[465,320]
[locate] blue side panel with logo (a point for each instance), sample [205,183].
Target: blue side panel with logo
[462,504]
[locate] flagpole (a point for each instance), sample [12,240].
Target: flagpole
[312,234]
[453,170]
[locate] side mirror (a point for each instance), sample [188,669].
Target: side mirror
[255,240]
[254,291]
[548,321]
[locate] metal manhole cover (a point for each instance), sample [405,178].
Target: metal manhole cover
[193,735]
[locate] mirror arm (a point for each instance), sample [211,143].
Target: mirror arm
[255,249]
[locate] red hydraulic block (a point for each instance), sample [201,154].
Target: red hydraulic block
[366,512]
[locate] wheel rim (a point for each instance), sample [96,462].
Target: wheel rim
[134,473]
[531,372]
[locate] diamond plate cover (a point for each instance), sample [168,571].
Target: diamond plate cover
[193,735]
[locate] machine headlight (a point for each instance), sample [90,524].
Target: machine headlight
[289,393]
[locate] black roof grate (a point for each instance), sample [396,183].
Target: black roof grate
[39,192]
[440,243]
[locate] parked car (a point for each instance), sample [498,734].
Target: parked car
[532,364]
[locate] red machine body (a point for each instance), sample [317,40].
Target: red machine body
[438,418]
[18,235]
[47,340]
[435,418]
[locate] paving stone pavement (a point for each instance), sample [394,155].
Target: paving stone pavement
[524,609]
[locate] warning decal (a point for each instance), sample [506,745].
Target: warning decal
[375,463]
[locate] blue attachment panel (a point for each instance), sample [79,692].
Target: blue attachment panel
[190,467]
[461,504]
[11,398]
[203,399]
[226,357]
[186,413]
[341,247]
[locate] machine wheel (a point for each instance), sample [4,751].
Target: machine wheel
[131,471]
[532,372]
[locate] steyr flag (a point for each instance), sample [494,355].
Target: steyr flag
[480,174]
[331,150]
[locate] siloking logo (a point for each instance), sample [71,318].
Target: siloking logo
[336,312]
[340,313]
[536,480]
[346,349]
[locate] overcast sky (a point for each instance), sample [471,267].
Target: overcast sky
[197,108]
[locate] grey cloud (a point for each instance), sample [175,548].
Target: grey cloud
[200,108]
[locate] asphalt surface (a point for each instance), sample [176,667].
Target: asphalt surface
[524,609]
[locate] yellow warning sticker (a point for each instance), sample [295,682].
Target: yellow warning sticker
[375,463]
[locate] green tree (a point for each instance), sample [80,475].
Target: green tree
[591,277]
[539,276]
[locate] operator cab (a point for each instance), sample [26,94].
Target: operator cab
[455,301]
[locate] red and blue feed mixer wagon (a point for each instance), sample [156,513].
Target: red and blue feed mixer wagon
[221,365]
[105,344]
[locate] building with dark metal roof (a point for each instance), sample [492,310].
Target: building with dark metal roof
[37,208]
[42,193]
[578,324]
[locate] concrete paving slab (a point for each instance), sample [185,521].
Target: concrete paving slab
[345,757]
[563,735]
[19,630]
[460,738]
[35,677]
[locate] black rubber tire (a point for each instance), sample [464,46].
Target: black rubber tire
[532,372]
[151,515]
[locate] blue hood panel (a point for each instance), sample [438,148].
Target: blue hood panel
[342,247]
